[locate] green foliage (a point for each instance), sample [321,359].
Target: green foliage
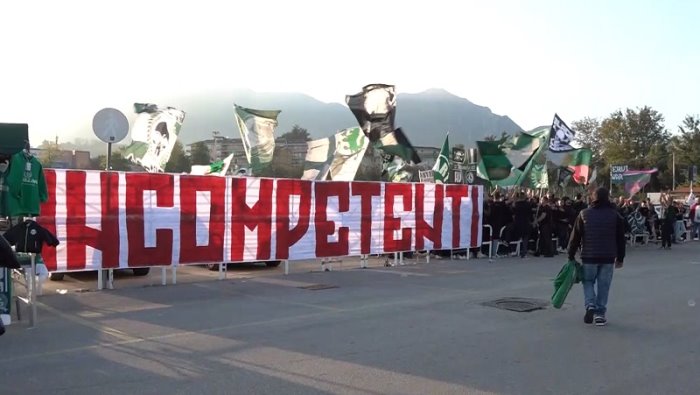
[637,138]
[296,134]
[686,144]
[199,154]
[118,162]
[50,153]
[492,137]
[283,165]
[178,162]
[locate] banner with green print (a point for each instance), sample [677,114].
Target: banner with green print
[257,128]
[153,136]
[336,157]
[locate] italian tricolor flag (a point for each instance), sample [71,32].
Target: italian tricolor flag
[580,165]
[578,161]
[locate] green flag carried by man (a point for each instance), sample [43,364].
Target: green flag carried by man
[441,169]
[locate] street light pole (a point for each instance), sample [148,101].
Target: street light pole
[216,136]
[673,164]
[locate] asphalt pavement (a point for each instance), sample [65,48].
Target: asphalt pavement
[415,329]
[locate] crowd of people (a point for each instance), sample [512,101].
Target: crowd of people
[543,225]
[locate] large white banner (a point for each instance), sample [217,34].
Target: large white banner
[122,220]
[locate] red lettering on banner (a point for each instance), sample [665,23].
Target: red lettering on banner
[456,192]
[423,229]
[48,219]
[258,216]
[325,228]
[392,223]
[78,234]
[190,252]
[288,237]
[366,190]
[136,184]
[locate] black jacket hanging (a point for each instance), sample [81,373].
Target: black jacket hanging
[29,236]
[7,256]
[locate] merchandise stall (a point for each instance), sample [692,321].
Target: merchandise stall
[22,190]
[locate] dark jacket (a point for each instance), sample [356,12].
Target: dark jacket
[29,236]
[600,231]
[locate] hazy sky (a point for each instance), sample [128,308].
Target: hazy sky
[64,60]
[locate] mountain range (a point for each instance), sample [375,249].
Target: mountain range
[425,117]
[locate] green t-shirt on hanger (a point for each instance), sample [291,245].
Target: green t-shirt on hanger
[27,186]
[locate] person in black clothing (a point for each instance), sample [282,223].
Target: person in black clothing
[600,232]
[561,222]
[545,221]
[646,214]
[578,205]
[522,216]
[668,222]
[500,217]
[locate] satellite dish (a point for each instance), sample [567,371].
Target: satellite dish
[110,125]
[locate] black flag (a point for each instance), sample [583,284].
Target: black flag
[375,109]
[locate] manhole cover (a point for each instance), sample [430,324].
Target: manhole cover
[318,287]
[521,305]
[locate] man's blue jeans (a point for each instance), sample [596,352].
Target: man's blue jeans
[696,230]
[596,285]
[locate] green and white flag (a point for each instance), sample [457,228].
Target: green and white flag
[396,169]
[218,168]
[337,157]
[153,136]
[319,157]
[257,129]
[441,169]
[396,144]
[507,162]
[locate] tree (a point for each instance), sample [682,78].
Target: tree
[178,162]
[296,134]
[588,135]
[199,155]
[493,137]
[283,166]
[50,153]
[118,162]
[686,145]
[637,139]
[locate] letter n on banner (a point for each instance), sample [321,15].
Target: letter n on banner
[393,223]
[434,195]
[202,218]
[251,216]
[143,250]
